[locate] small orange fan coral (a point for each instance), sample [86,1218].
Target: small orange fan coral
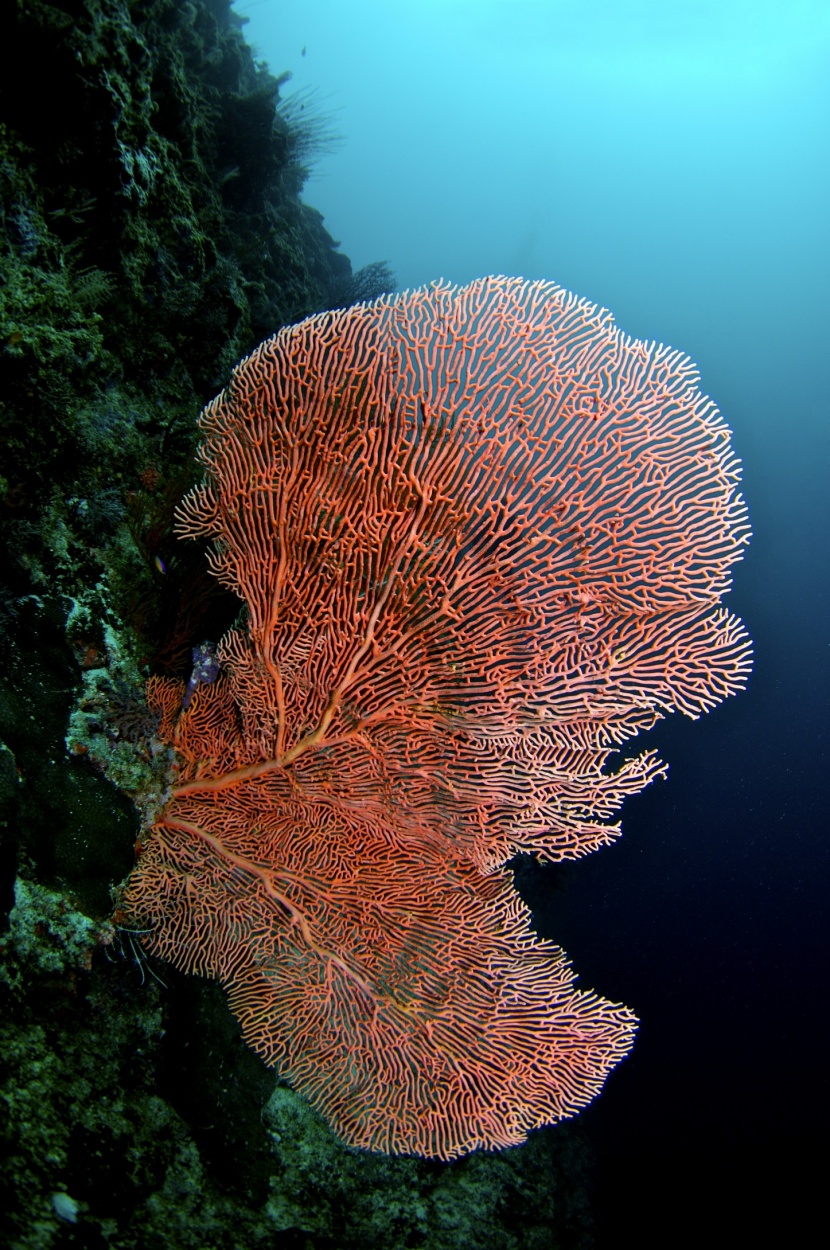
[482,537]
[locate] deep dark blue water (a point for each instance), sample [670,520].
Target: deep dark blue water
[709,917]
[670,163]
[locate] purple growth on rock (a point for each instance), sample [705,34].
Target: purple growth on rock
[205,670]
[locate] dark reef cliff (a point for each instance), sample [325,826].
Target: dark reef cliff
[152,234]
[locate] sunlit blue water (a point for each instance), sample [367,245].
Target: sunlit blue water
[670,162]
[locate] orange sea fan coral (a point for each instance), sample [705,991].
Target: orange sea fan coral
[482,537]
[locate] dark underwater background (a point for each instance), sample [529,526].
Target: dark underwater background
[669,161]
[161,214]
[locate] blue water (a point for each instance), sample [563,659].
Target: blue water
[670,162]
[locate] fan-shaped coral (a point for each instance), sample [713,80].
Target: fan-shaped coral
[482,537]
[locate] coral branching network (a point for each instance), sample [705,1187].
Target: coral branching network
[482,537]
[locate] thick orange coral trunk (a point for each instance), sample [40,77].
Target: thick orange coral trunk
[482,537]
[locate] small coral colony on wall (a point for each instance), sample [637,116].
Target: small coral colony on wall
[482,537]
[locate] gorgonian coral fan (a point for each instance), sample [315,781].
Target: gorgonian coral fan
[482,537]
